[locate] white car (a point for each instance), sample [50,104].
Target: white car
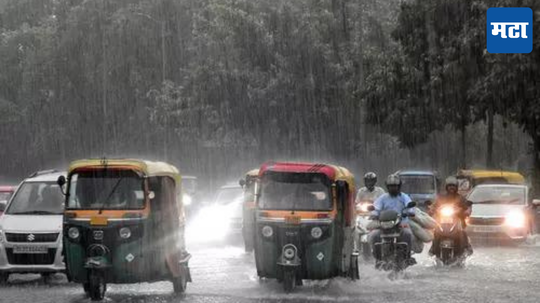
[31,228]
[500,212]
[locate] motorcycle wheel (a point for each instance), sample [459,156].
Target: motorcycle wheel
[96,286]
[180,283]
[446,256]
[354,272]
[289,280]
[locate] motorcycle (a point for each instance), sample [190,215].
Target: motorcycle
[449,236]
[392,254]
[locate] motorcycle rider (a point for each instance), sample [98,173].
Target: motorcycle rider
[393,200]
[370,192]
[453,198]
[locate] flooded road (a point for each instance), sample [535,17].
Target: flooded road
[492,274]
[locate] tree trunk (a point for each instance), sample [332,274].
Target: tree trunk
[489,156]
[463,161]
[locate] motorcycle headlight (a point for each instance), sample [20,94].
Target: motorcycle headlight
[388,224]
[187,200]
[447,211]
[73,233]
[267,231]
[364,207]
[316,232]
[124,232]
[515,219]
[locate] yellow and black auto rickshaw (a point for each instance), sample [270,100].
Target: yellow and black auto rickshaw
[305,222]
[248,208]
[468,179]
[124,223]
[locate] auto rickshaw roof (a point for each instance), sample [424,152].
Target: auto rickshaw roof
[148,168]
[333,172]
[479,173]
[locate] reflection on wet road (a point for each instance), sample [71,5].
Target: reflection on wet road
[227,274]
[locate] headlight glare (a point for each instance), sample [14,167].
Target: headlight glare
[125,232]
[73,233]
[515,219]
[447,211]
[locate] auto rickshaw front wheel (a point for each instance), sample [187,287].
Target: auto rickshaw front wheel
[180,282]
[289,280]
[96,286]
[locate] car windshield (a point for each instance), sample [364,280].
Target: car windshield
[106,189]
[295,191]
[229,194]
[498,195]
[418,184]
[37,198]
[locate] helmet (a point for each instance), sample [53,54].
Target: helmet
[370,179]
[393,180]
[393,184]
[451,181]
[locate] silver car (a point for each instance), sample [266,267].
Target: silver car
[500,212]
[31,228]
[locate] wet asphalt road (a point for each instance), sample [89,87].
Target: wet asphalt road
[227,274]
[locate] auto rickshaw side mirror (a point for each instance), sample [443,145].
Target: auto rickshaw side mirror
[242,182]
[61,181]
[536,202]
[411,204]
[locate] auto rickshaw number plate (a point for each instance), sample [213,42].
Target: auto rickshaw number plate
[292,220]
[99,221]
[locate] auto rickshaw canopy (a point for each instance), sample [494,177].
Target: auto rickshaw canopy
[510,176]
[145,167]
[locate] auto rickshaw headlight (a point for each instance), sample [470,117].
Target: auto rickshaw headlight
[125,232]
[73,233]
[316,232]
[289,252]
[267,231]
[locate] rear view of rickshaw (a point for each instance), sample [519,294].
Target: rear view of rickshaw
[124,223]
[248,208]
[305,223]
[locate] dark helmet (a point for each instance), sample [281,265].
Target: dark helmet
[393,184]
[370,180]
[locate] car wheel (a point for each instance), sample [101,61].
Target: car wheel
[4,276]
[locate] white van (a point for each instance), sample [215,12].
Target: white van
[31,228]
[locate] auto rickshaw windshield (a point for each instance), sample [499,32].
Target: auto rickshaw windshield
[295,191]
[106,189]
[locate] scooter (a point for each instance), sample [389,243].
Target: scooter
[449,236]
[391,254]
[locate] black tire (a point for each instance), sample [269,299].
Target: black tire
[86,288]
[446,256]
[4,276]
[180,284]
[96,286]
[354,272]
[289,280]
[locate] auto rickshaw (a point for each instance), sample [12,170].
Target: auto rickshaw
[468,179]
[305,223]
[124,223]
[248,208]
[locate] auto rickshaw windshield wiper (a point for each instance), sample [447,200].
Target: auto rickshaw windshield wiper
[106,202]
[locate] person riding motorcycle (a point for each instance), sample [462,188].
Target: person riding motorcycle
[370,192]
[393,200]
[452,197]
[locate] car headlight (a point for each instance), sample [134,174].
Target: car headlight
[73,233]
[187,200]
[515,219]
[447,211]
[388,224]
[267,231]
[316,232]
[125,232]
